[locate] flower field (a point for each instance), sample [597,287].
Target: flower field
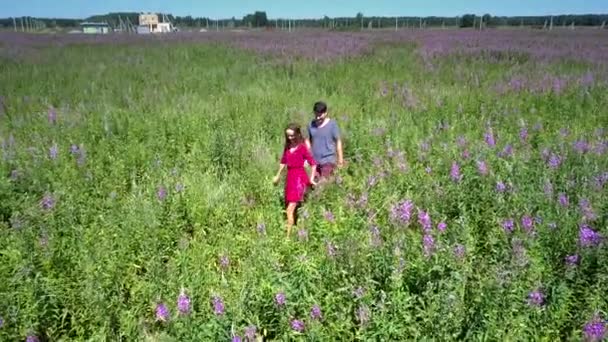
[136,195]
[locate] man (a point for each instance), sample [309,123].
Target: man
[324,142]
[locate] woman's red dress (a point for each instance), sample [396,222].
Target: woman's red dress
[297,181]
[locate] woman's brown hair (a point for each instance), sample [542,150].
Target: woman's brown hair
[297,139]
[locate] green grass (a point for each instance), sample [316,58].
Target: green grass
[211,118]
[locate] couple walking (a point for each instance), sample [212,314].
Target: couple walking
[322,150]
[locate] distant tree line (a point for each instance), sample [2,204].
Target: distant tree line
[260,19]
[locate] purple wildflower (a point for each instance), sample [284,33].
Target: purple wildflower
[554,161]
[162,312]
[442,226]
[297,325]
[32,338]
[595,330]
[466,154]
[527,222]
[376,239]
[183,303]
[482,167]
[588,237]
[507,151]
[428,169]
[279,299]
[402,212]
[425,146]
[218,306]
[224,261]
[236,338]
[331,249]
[508,225]
[74,149]
[563,199]
[536,298]
[581,146]
[425,220]
[315,312]
[572,260]
[250,332]
[523,134]
[261,228]
[459,251]
[587,210]
[489,138]
[53,151]
[47,202]
[329,216]
[161,193]
[455,172]
[461,141]
[52,115]
[500,186]
[428,244]
[1,322]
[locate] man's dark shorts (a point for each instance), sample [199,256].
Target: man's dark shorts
[326,170]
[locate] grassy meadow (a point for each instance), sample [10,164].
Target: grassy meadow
[136,200]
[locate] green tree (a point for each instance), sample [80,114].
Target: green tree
[468,20]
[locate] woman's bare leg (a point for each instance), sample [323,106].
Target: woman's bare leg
[291,208]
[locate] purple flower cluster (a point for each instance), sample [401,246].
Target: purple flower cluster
[183,303]
[482,167]
[47,202]
[455,172]
[224,262]
[595,330]
[588,237]
[527,222]
[459,251]
[218,305]
[572,260]
[402,212]
[536,298]
[162,312]
[315,312]
[161,193]
[428,244]
[297,325]
[424,219]
[280,299]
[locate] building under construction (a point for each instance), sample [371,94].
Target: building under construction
[151,23]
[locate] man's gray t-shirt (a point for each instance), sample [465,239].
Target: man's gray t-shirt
[323,141]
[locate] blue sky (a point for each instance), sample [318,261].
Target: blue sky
[299,9]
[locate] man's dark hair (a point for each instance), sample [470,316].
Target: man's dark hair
[320,107]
